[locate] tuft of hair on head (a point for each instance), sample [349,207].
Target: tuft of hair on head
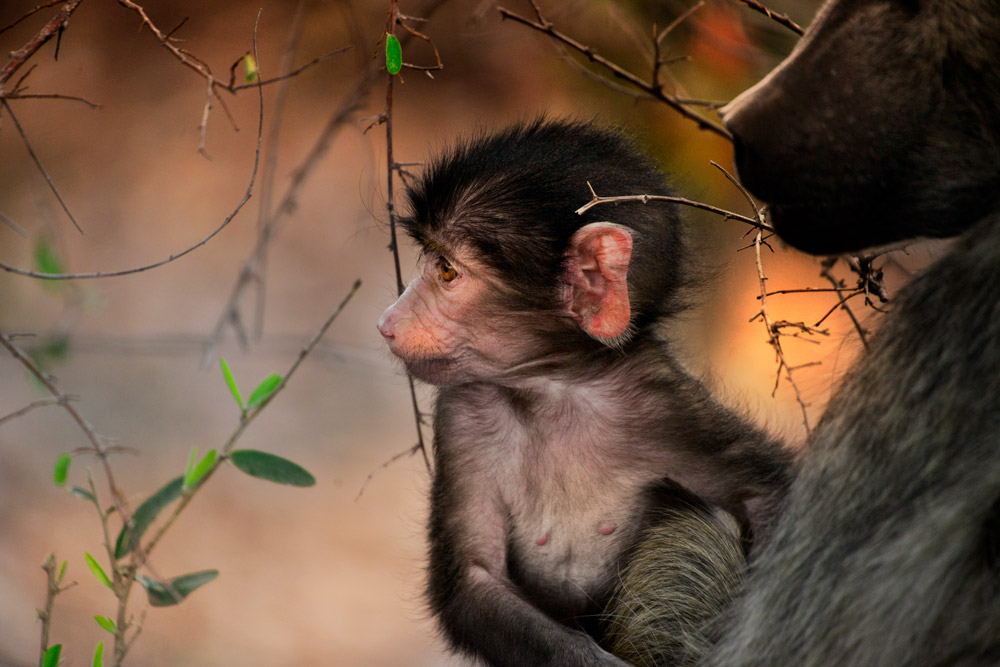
[512,195]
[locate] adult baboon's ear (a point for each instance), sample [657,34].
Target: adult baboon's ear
[596,288]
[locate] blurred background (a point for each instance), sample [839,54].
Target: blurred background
[326,575]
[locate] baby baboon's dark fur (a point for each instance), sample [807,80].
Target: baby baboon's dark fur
[556,449]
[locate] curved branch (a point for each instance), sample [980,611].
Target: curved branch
[175,256]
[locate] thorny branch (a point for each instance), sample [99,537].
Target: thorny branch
[774,16]
[728,215]
[774,329]
[54,27]
[653,88]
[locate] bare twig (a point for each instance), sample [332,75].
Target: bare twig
[774,336]
[774,329]
[195,64]
[38,164]
[55,26]
[51,96]
[233,87]
[408,452]
[842,303]
[289,204]
[63,400]
[728,215]
[125,272]
[654,89]
[29,407]
[13,225]
[801,290]
[774,16]
[838,287]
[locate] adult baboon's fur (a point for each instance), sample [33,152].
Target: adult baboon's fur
[685,571]
[883,125]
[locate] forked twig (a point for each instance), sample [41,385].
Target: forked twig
[654,89]
[728,215]
[774,16]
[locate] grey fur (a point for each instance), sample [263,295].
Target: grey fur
[888,548]
[686,569]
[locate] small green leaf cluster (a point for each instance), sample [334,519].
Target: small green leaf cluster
[168,592]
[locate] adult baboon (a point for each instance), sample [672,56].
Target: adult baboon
[882,126]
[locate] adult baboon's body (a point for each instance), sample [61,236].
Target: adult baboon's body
[883,126]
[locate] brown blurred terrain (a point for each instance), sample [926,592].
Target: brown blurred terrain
[315,576]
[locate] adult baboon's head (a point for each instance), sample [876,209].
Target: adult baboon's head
[882,125]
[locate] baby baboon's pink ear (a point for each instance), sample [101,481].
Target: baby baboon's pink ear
[596,290]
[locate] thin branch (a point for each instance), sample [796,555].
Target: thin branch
[838,288]
[52,96]
[408,452]
[773,336]
[13,225]
[29,407]
[233,87]
[801,290]
[391,22]
[841,303]
[125,272]
[353,103]
[38,163]
[53,579]
[198,66]
[774,329]
[30,13]
[54,27]
[774,16]
[728,215]
[96,445]
[652,89]
[248,418]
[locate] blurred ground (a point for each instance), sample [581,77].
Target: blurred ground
[315,576]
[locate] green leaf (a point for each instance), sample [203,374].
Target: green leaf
[393,54]
[172,591]
[264,390]
[46,258]
[143,517]
[61,469]
[99,655]
[98,571]
[51,657]
[250,65]
[82,493]
[62,572]
[231,382]
[270,467]
[196,471]
[106,623]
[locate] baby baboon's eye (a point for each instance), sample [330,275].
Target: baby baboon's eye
[446,271]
